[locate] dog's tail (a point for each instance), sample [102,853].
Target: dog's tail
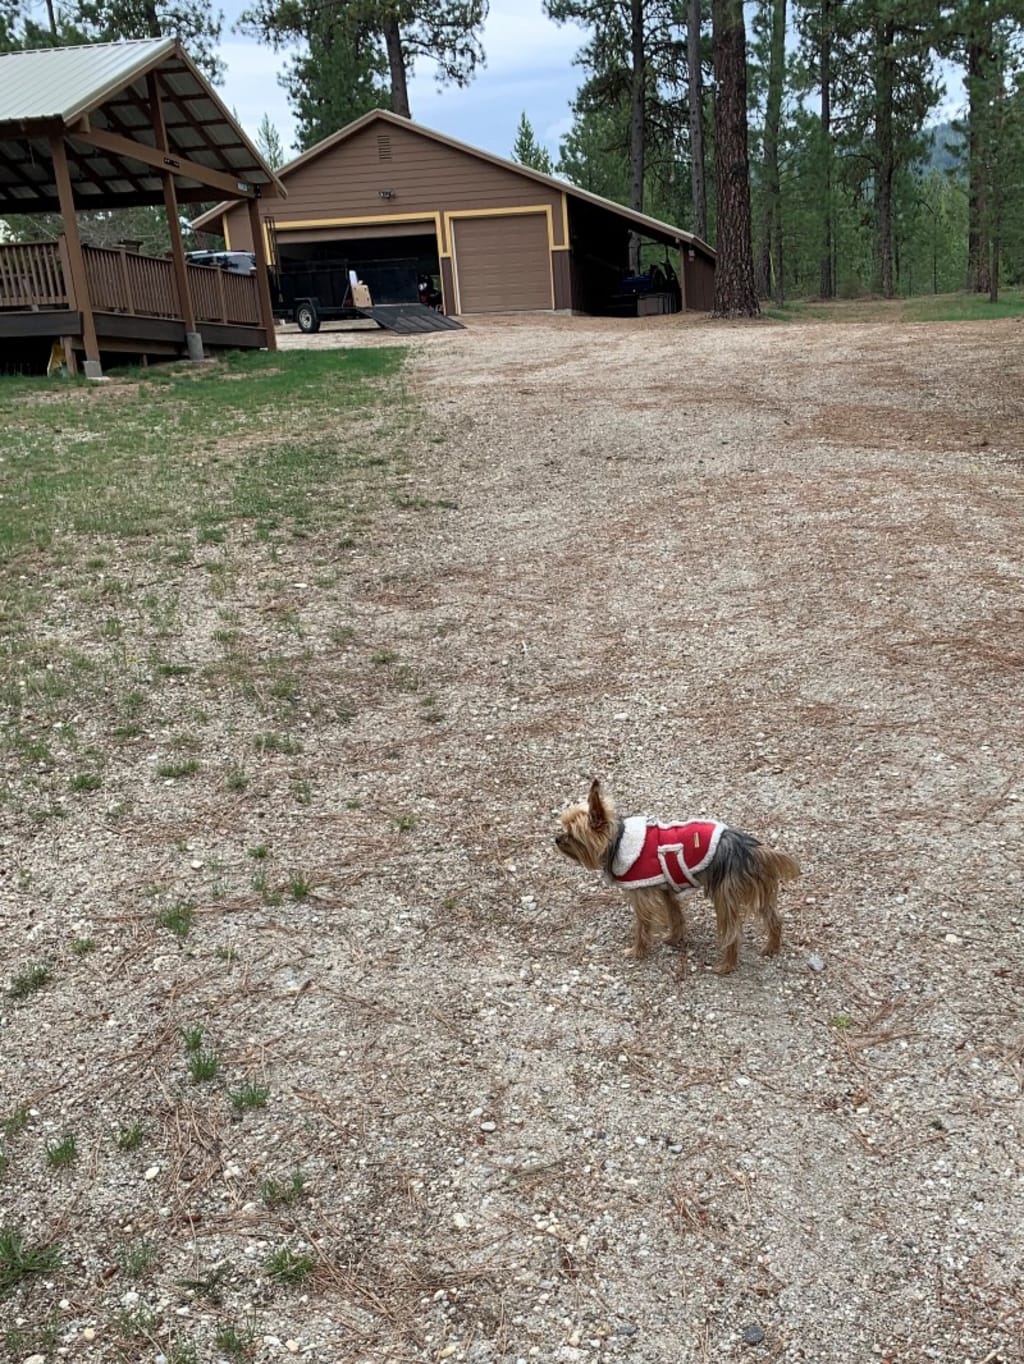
[776,866]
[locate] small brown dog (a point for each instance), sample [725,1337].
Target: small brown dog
[655,863]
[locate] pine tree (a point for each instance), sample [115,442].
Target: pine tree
[368,37]
[527,150]
[193,22]
[735,294]
[268,143]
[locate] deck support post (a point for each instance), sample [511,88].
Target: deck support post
[259,248]
[193,337]
[92,367]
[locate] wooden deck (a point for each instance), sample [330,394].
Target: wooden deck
[134,300]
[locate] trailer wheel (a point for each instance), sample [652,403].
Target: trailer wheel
[307,317]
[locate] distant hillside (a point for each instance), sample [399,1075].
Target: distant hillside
[944,152]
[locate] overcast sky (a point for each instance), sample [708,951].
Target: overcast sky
[529,68]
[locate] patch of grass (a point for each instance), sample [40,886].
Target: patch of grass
[18,1259]
[405,823]
[15,1122]
[193,1038]
[130,1137]
[177,918]
[135,1260]
[236,779]
[85,781]
[30,980]
[83,946]
[384,657]
[203,1066]
[32,1338]
[173,669]
[842,1022]
[236,1341]
[62,1153]
[260,853]
[278,1194]
[302,790]
[277,743]
[288,1266]
[173,771]
[299,887]
[248,1096]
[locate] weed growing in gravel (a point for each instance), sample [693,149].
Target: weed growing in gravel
[180,1352]
[260,853]
[60,1154]
[193,1038]
[18,1260]
[248,1096]
[223,953]
[278,1195]
[21,1342]
[236,780]
[405,823]
[188,767]
[203,1066]
[134,1260]
[290,1266]
[177,919]
[236,1341]
[303,792]
[5,1162]
[30,980]
[277,743]
[15,1122]
[842,1022]
[136,1322]
[83,946]
[173,669]
[130,1138]
[299,886]
[85,781]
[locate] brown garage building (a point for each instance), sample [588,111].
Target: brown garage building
[386,196]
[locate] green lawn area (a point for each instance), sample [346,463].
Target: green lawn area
[135,510]
[960,307]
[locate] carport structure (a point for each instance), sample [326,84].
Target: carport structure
[392,199]
[115,125]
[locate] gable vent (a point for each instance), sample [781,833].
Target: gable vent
[383,147]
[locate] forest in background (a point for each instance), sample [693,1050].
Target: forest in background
[803,140]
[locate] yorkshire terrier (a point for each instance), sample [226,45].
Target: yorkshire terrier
[654,864]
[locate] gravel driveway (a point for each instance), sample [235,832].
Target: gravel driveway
[767,573]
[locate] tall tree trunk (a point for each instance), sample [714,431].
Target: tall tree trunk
[884,78]
[637,122]
[396,68]
[735,295]
[695,98]
[827,285]
[152,19]
[979,63]
[770,255]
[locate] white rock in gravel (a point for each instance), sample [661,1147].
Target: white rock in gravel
[460,1221]
[292,1346]
[952,938]
[815,962]
[88,1333]
[36,1359]
[488,1126]
[151,1173]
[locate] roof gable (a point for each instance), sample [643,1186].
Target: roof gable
[386,117]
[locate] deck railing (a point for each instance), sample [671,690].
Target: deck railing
[220,296]
[122,282]
[32,276]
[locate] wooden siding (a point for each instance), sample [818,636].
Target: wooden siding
[503,263]
[562,270]
[426,177]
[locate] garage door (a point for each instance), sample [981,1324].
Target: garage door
[503,263]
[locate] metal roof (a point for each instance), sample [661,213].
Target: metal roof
[66,82]
[107,85]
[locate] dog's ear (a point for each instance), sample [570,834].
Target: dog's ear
[595,806]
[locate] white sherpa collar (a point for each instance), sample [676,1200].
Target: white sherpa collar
[631,844]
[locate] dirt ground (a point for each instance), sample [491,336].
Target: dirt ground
[767,573]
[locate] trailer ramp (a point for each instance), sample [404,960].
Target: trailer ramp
[408,318]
